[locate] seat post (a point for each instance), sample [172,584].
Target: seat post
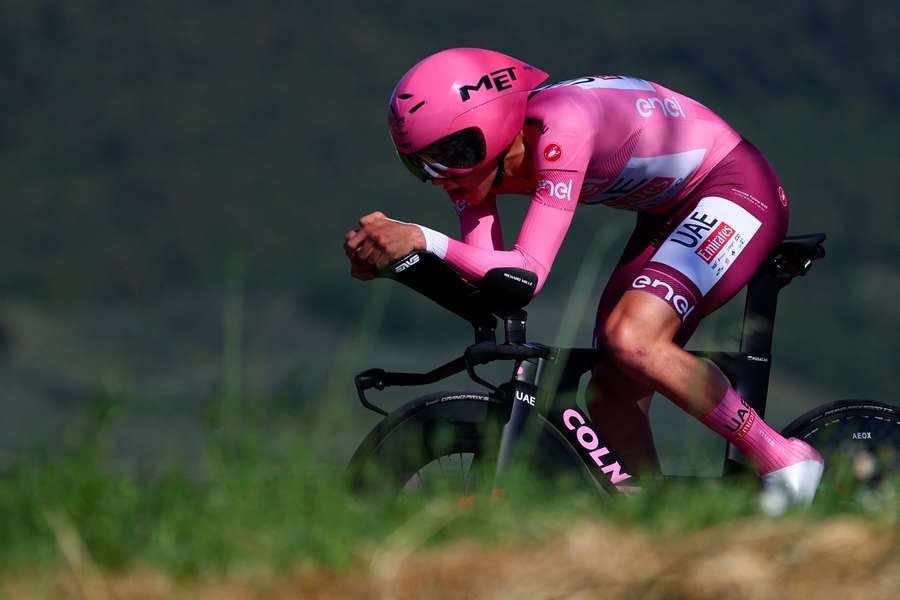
[757,333]
[756,343]
[759,313]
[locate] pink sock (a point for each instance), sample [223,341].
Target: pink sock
[737,422]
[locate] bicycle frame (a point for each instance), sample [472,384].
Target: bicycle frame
[542,374]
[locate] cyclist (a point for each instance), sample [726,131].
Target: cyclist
[709,210]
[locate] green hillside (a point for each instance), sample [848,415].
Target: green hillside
[148,148]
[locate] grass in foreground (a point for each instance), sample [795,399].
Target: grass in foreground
[275,510]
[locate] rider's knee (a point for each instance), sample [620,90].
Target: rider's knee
[629,345]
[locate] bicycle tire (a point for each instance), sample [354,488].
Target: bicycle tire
[863,434]
[440,425]
[420,431]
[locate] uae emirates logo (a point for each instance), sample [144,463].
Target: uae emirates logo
[715,242]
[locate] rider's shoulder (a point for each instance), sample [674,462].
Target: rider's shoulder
[562,106]
[556,95]
[591,93]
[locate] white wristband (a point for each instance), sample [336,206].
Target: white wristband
[435,241]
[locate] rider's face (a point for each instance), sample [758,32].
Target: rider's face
[474,187]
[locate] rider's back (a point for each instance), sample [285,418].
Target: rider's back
[636,144]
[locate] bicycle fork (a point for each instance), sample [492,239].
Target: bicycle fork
[524,400]
[603,465]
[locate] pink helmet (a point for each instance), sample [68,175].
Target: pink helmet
[459,109]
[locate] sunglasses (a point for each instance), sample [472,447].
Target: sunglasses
[461,150]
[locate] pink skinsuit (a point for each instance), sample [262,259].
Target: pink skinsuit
[710,208]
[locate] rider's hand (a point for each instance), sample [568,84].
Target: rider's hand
[378,242]
[359,269]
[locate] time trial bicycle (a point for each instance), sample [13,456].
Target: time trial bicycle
[463,438]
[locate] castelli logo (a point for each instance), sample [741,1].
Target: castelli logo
[552,152]
[782,196]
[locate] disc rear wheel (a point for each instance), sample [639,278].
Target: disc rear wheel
[859,440]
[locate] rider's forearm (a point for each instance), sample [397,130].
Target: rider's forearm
[539,240]
[474,262]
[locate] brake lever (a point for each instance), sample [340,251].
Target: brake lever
[373,378]
[485,352]
[470,369]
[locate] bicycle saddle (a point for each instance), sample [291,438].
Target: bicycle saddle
[801,244]
[795,254]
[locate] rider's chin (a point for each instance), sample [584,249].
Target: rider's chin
[469,196]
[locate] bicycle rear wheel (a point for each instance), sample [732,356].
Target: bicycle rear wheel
[859,439]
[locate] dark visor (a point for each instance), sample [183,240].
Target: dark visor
[461,150]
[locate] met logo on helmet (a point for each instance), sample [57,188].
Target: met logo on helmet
[498,80]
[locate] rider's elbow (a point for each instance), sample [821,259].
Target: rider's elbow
[541,278]
[529,263]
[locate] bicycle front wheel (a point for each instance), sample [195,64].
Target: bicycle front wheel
[432,444]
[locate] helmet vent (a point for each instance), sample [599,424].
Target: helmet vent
[405,96]
[417,107]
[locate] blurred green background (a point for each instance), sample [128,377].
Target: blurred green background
[176,179]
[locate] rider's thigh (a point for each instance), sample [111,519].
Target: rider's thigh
[734,219]
[638,250]
[639,334]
